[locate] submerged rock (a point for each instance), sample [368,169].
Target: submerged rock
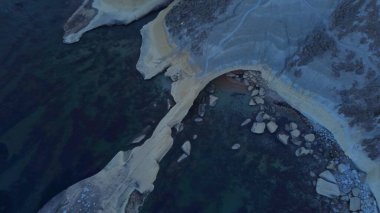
[182,157]
[198,120]
[235,146]
[246,122]
[295,133]
[179,127]
[258,100]
[258,127]
[309,137]
[302,151]
[212,100]
[252,103]
[139,138]
[283,138]
[293,126]
[255,92]
[201,110]
[186,147]
[272,126]
[327,189]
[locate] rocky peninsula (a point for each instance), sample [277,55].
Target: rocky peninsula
[321,57]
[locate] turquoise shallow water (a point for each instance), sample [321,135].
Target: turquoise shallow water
[65,110]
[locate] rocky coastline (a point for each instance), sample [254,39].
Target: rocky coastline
[137,168]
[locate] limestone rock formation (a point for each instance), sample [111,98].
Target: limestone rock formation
[326,66]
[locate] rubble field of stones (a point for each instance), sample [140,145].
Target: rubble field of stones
[339,183]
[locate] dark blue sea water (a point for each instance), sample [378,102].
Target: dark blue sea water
[65,110]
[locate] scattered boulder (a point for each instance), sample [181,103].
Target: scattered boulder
[195,137]
[179,127]
[139,138]
[260,116]
[272,126]
[246,122]
[201,110]
[309,137]
[355,192]
[212,100]
[198,120]
[295,133]
[258,100]
[327,189]
[182,157]
[258,127]
[327,175]
[296,142]
[255,92]
[267,117]
[331,165]
[250,88]
[186,147]
[252,103]
[235,146]
[302,151]
[355,204]
[293,126]
[283,138]
[343,167]
[261,92]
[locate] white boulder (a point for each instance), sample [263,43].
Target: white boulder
[258,100]
[258,127]
[327,175]
[355,204]
[295,133]
[327,189]
[283,138]
[186,147]
[212,100]
[272,126]
[309,137]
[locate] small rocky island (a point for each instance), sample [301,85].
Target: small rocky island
[319,59]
